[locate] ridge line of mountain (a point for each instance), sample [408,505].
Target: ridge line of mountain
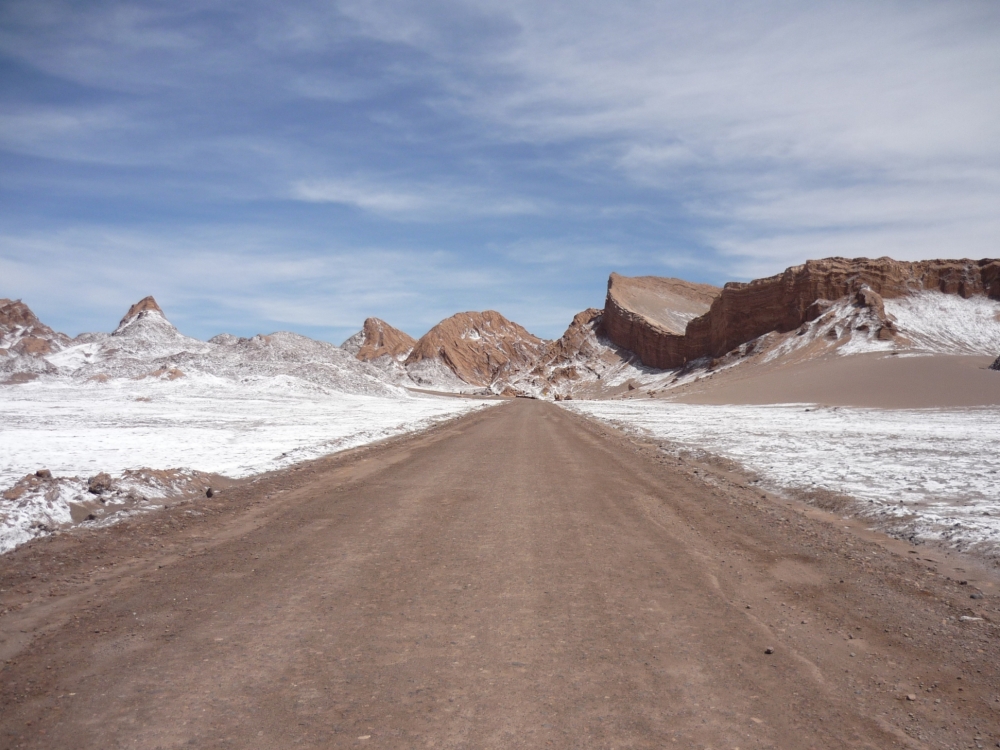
[649,327]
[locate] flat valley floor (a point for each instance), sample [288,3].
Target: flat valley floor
[521,577]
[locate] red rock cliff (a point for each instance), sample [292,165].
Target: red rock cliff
[742,312]
[648,315]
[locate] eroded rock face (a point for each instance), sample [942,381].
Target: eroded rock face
[578,354]
[99,484]
[577,342]
[138,311]
[476,346]
[649,315]
[21,332]
[742,312]
[379,339]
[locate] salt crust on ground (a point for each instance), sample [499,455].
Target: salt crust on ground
[201,422]
[930,474]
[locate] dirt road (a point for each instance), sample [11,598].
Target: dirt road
[519,578]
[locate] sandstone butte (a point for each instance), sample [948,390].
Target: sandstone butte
[379,339]
[740,312]
[30,335]
[477,345]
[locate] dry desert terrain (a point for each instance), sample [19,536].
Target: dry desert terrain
[521,577]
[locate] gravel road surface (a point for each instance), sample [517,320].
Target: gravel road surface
[522,577]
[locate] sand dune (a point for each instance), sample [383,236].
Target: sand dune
[875,380]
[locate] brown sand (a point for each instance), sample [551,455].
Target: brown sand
[520,578]
[869,380]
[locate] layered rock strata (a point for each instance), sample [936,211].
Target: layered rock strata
[476,346]
[379,339]
[741,312]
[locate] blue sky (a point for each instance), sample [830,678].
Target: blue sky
[303,165]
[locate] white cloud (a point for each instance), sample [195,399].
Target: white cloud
[748,135]
[379,200]
[874,125]
[206,278]
[428,202]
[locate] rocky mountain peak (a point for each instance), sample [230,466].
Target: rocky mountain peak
[145,332]
[379,339]
[144,308]
[475,346]
[21,332]
[14,313]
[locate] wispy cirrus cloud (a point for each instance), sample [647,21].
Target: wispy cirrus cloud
[211,279]
[754,116]
[516,150]
[420,203]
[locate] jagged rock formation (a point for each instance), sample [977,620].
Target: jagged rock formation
[379,339]
[996,364]
[474,347]
[22,333]
[144,308]
[782,303]
[146,346]
[563,358]
[653,332]
[581,362]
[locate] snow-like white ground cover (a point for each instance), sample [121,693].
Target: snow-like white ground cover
[203,423]
[928,473]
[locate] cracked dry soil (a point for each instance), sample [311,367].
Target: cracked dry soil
[521,577]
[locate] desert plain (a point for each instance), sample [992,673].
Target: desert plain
[484,540]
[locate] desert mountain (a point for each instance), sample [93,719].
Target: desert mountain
[379,339]
[145,345]
[473,348]
[144,314]
[25,342]
[658,333]
[582,362]
[22,333]
[846,297]
[653,334]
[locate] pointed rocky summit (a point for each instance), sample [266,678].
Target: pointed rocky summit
[145,305]
[379,339]
[144,308]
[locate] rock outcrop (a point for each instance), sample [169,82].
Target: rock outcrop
[649,315]
[996,364]
[379,339]
[579,342]
[22,333]
[143,309]
[476,346]
[741,312]
[146,346]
